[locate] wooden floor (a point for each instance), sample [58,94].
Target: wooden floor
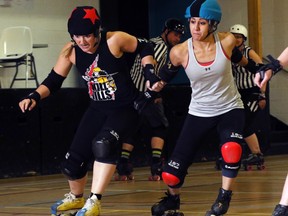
[255,193]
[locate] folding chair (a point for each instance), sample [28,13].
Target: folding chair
[16,49]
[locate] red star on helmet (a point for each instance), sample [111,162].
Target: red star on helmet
[91,14]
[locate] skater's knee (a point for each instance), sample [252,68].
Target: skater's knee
[73,166]
[174,173]
[104,146]
[170,179]
[231,154]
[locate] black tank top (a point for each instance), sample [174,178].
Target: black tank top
[107,77]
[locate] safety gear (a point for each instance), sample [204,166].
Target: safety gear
[53,81]
[231,152]
[70,202]
[239,29]
[104,145]
[170,179]
[84,20]
[173,24]
[168,72]
[274,65]
[144,48]
[149,74]
[206,9]
[73,167]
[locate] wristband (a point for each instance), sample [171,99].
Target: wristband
[35,96]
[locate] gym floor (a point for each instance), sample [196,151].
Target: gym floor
[255,193]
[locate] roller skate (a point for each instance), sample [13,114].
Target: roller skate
[168,206]
[124,172]
[254,159]
[92,207]
[280,210]
[68,206]
[156,171]
[218,163]
[221,205]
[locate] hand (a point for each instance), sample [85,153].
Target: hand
[27,104]
[261,81]
[157,86]
[30,101]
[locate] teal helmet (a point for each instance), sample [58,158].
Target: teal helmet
[206,9]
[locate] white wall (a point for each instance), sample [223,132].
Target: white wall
[48,22]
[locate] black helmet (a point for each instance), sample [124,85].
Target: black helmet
[84,20]
[173,24]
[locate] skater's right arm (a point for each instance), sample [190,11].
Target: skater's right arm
[53,81]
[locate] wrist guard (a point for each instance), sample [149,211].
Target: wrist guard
[53,81]
[252,66]
[274,65]
[35,96]
[168,72]
[149,74]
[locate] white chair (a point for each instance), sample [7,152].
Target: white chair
[16,46]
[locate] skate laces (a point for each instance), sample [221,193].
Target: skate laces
[69,197]
[89,203]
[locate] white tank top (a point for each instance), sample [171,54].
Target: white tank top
[213,88]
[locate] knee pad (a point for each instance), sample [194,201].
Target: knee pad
[174,173]
[231,154]
[104,146]
[160,132]
[170,179]
[73,167]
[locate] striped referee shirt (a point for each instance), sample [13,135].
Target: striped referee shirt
[160,56]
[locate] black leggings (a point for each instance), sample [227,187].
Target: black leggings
[229,128]
[121,120]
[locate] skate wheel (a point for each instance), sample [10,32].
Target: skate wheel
[130,177]
[154,178]
[249,168]
[121,178]
[260,167]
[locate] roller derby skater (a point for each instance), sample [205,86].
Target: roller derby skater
[156,170]
[253,160]
[221,205]
[152,116]
[261,79]
[168,206]
[99,57]
[209,71]
[124,171]
[68,206]
[253,98]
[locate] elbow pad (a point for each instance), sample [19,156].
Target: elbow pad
[168,72]
[144,48]
[53,81]
[236,55]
